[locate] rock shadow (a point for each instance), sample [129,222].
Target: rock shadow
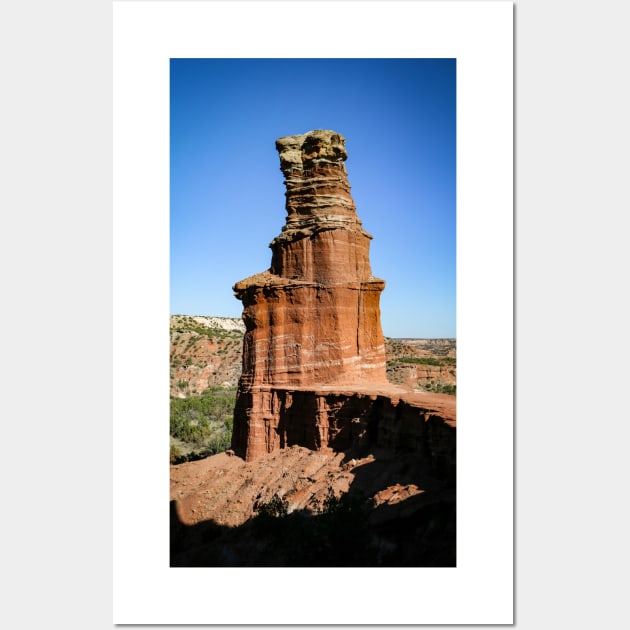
[397,513]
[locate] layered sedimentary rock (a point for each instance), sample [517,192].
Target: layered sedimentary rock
[313,319]
[353,420]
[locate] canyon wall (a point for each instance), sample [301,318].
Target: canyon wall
[354,421]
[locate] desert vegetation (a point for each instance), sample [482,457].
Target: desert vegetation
[439,361]
[201,425]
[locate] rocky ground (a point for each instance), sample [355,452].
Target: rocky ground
[398,513]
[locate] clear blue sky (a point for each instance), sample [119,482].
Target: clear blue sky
[227,192]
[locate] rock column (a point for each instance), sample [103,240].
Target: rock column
[313,319]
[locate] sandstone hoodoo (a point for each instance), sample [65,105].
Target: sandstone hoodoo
[314,368]
[313,318]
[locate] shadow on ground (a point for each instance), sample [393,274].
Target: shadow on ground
[397,513]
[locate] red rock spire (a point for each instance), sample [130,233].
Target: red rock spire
[312,319]
[323,239]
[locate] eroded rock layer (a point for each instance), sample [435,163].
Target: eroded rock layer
[354,420]
[305,334]
[323,239]
[313,319]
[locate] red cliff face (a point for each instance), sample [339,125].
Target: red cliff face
[313,319]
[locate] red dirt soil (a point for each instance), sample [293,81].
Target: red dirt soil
[226,489]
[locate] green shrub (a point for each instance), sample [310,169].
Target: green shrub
[420,360]
[219,443]
[438,362]
[176,454]
[441,388]
[204,421]
[276,507]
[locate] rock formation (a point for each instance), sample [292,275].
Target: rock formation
[313,353]
[314,318]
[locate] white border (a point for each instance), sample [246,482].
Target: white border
[480,589]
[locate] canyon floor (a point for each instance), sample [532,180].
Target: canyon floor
[298,507]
